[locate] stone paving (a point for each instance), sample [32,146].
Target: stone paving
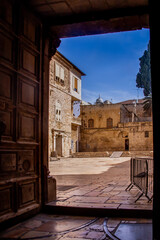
[55,227]
[95,182]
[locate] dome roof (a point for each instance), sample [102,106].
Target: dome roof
[107,102]
[99,100]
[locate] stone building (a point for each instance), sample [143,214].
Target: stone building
[30,34]
[116,127]
[64,90]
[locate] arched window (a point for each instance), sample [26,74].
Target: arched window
[58,111]
[90,123]
[146,134]
[109,122]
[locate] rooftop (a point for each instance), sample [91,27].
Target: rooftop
[74,66]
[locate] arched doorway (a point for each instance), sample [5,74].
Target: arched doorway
[127,144]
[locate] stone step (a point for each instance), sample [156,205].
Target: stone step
[91,154]
[137,153]
[116,154]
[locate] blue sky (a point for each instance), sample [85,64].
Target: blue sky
[110,62]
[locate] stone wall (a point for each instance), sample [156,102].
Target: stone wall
[63,133]
[62,127]
[74,137]
[100,114]
[99,137]
[135,112]
[114,139]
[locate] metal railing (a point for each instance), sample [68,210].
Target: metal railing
[141,176]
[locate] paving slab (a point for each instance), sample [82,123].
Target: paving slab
[15,233]
[134,231]
[36,234]
[88,199]
[95,181]
[60,227]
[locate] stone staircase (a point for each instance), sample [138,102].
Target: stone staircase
[116,154]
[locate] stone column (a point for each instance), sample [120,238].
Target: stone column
[50,44]
[63,145]
[54,144]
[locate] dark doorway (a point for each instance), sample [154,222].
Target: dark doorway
[59,145]
[126,144]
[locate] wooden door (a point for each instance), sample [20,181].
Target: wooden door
[59,145]
[126,144]
[20,121]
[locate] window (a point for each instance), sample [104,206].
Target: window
[83,123]
[62,74]
[109,123]
[90,123]
[59,74]
[57,70]
[75,83]
[58,111]
[146,134]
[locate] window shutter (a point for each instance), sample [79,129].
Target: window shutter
[78,85]
[73,79]
[57,70]
[58,111]
[62,74]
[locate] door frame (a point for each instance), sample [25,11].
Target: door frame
[127,144]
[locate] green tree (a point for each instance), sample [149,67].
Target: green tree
[147,104]
[143,79]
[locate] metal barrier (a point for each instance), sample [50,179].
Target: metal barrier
[141,176]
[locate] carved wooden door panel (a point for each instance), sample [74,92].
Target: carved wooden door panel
[20,123]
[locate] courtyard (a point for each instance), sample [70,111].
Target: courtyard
[98,182]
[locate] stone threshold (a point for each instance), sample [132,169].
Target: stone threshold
[97,212]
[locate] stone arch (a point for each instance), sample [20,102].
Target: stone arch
[109,122]
[123,134]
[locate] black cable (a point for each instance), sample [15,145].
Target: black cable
[107,232]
